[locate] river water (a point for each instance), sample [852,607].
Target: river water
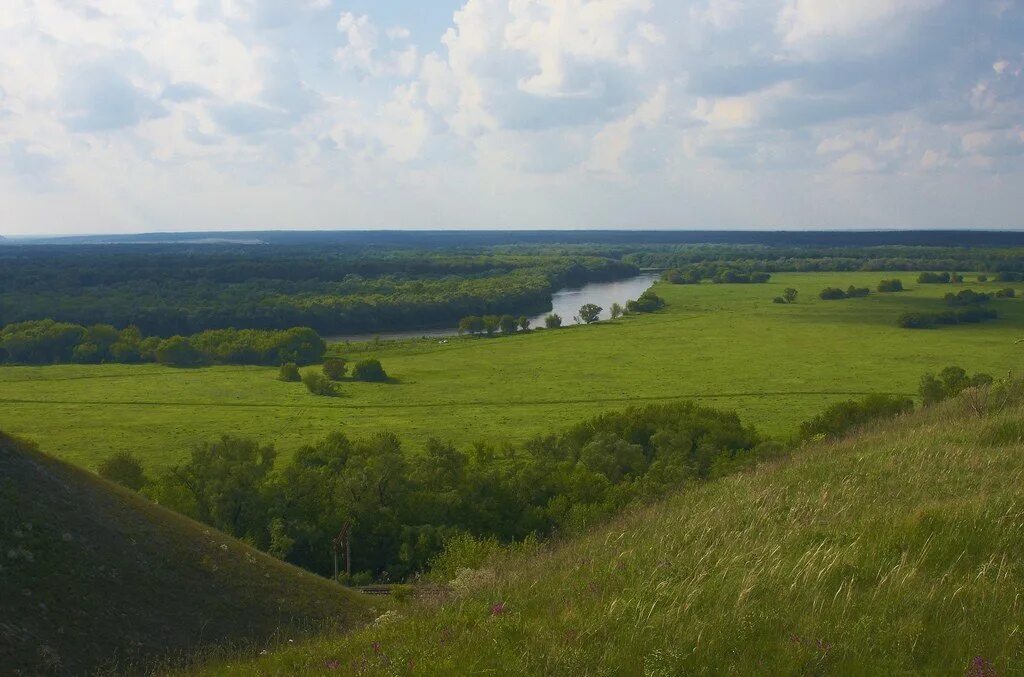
[566,302]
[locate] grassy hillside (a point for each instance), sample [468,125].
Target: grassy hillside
[896,551]
[92,575]
[727,346]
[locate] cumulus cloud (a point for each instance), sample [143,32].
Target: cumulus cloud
[514,112]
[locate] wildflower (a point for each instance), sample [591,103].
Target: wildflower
[981,668]
[332,665]
[376,647]
[498,609]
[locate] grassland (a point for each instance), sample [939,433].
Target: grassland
[94,576]
[726,345]
[897,551]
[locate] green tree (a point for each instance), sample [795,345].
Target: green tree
[590,312]
[472,324]
[335,368]
[491,324]
[524,323]
[553,321]
[369,370]
[178,351]
[508,324]
[790,295]
[124,469]
[616,311]
[225,482]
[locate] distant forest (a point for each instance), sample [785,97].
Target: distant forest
[372,282]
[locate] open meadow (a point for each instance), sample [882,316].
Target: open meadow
[726,345]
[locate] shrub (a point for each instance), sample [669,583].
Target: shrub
[950,382]
[956,278]
[842,416]
[857,292]
[983,278]
[553,321]
[890,285]
[933,278]
[832,294]
[491,324]
[616,311]
[1009,276]
[916,320]
[335,368]
[1006,293]
[289,372]
[789,295]
[369,370]
[778,299]
[124,469]
[86,353]
[676,276]
[524,323]
[318,384]
[970,315]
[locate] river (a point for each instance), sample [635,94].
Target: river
[565,302]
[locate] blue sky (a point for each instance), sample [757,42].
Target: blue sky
[121,116]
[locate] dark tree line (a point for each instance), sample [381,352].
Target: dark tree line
[49,342]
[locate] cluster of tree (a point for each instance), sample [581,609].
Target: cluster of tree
[949,317]
[50,342]
[169,291]
[950,382]
[788,296]
[333,370]
[399,508]
[851,292]
[648,302]
[1009,276]
[490,324]
[890,286]
[690,275]
[1006,293]
[967,297]
[939,278]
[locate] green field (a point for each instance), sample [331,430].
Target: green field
[727,345]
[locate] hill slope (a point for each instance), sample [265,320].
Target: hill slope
[90,573]
[895,551]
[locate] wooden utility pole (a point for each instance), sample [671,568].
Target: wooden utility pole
[344,537]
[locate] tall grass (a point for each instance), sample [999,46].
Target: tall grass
[898,550]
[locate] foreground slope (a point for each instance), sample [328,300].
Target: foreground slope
[92,575]
[898,550]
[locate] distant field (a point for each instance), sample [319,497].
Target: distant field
[727,345]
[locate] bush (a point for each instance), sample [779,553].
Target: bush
[369,370]
[983,278]
[890,285]
[289,372]
[473,324]
[1006,293]
[778,299]
[676,276]
[789,295]
[335,368]
[963,316]
[832,294]
[1009,276]
[950,382]
[933,278]
[647,303]
[123,469]
[553,321]
[857,292]
[842,416]
[318,384]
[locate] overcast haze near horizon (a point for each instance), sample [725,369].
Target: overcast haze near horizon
[120,116]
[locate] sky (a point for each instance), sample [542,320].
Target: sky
[125,116]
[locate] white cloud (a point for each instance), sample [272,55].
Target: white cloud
[546,112]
